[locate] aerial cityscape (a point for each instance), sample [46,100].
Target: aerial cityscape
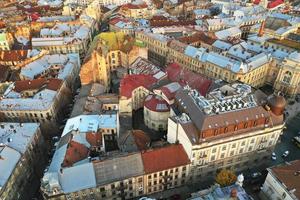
[150,99]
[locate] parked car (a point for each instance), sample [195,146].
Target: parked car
[274,156]
[286,153]
[255,174]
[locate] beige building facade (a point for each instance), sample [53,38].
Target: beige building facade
[250,139]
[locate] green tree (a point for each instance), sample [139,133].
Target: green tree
[225,177]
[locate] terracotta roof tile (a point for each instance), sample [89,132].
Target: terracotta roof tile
[134,6]
[14,55]
[131,82]
[156,104]
[198,37]
[75,152]
[95,139]
[51,84]
[183,77]
[142,140]
[164,158]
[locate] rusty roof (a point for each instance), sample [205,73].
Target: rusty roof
[164,158]
[13,55]
[35,84]
[289,175]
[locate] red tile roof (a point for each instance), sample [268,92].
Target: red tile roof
[117,19]
[131,82]
[134,6]
[142,140]
[166,91]
[54,84]
[289,175]
[51,84]
[13,55]
[199,37]
[164,158]
[95,139]
[169,22]
[156,103]
[185,77]
[275,3]
[75,152]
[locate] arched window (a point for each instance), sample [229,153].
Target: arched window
[287,77]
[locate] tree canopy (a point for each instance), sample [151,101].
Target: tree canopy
[225,177]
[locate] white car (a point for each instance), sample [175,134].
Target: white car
[274,156]
[286,153]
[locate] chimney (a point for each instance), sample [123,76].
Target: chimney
[262,29]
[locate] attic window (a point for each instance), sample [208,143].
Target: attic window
[255,123]
[267,120]
[216,132]
[226,130]
[236,128]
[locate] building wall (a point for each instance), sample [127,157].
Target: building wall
[269,73]
[231,152]
[166,179]
[132,187]
[288,78]
[49,118]
[125,105]
[273,189]
[156,120]
[27,172]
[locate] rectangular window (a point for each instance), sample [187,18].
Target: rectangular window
[212,158]
[214,150]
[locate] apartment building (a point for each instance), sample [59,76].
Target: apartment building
[118,176]
[22,156]
[19,58]
[45,89]
[136,11]
[254,63]
[64,38]
[282,182]
[232,127]
[157,46]
[39,100]
[146,78]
